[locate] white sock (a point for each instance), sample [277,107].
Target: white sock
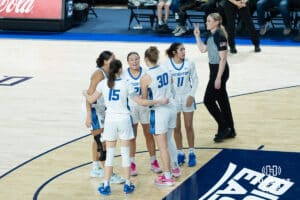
[168,175]
[152,159]
[174,165]
[106,183]
[127,182]
[191,150]
[132,159]
[95,165]
[180,151]
[172,146]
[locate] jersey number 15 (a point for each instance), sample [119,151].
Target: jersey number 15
[114,95]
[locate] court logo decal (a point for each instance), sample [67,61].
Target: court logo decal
[13,80]
[244,175]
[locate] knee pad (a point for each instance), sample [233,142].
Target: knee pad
[102,156]
[97,139]
[110,157]
[125,152]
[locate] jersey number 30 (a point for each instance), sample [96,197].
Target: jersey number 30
[163,80]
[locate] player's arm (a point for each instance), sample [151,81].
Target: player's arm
[145,102]
[97,76]
[194,80]
[144,83]
[194,85]
[95,79]
[88,120]
[91,98]
[142,101]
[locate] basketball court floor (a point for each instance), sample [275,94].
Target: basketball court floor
[45,149]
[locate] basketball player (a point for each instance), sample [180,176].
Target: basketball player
[156,83]
[139,113]
[95,117]
[116,92]
[185,83]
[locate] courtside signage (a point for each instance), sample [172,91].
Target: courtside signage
[31,9]
[244,175]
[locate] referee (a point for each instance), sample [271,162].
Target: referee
[216,98]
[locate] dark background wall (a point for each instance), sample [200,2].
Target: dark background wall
[111,2]
[103,2]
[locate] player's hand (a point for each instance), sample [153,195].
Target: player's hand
[163,101]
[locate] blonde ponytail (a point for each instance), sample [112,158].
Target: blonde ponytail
[224,31]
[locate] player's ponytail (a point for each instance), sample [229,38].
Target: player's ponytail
[104,55]
[114,69]
[173,47]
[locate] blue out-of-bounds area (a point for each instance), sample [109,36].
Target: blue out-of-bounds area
[112,25]
[244,174]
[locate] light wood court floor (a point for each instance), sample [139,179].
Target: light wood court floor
[45,111]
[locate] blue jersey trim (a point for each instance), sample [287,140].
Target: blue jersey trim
[95,121]
[174,66]
[152,122]
[135,78]
[154,67]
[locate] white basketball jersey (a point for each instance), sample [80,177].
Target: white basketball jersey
[160,86]
[134,81]
[116,99]
[184,76]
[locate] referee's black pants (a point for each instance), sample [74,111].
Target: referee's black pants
[216,101]
[231,11]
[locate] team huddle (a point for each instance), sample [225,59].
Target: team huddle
[153,96]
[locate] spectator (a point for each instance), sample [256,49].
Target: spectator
[208,6]
[283,6]
[163,24]
[252,8]
[296,4]
[240,7]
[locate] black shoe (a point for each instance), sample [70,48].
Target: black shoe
[231,133]
[233,50]
[221,135]
[163,28]
[257,49]
[225,134]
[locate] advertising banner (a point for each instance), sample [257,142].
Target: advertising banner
[31,9]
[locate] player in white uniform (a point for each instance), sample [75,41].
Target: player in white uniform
[95,114]
[117,125]
[185,82]
[139,114]
[156,83]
